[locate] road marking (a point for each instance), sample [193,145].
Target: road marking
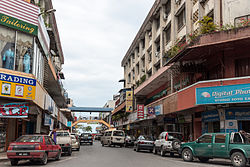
[67,159]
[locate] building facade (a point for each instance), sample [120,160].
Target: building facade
[174,62]
[31,70]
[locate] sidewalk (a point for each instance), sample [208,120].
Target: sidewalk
[3,156]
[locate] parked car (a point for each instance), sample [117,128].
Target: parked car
[113,137]
[86,138]
[98,136]
[144,143]
[234,146]
[64,140]
[75,143]
[33,148]
[168,142]
[129,141]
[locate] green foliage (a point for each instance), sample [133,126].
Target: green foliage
[88,129]
[143,78]
[207,25]
[179,45]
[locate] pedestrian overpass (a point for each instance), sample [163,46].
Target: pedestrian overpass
[90,109]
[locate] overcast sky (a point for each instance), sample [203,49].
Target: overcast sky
[95,36]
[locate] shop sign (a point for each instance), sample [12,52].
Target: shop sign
[210,116]
[238,114]
[18,24]
[223,94]
[47,120]
[69,124]
[231,126]
[158,110]
[140,111]
[17,87]
[50,106]
[129,101]
[14,110]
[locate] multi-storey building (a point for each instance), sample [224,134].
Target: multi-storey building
[172,59]
[30,69]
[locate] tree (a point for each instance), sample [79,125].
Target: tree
[88,129]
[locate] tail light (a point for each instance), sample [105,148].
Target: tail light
[141,142]
[67,144]
[10,147]
[38,147]
[166,136]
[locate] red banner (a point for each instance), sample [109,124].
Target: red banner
[14,110]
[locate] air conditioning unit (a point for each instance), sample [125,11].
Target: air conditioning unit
[157,54]
[165,16]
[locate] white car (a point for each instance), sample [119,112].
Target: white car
[113,137]
[168,142]
[75,143]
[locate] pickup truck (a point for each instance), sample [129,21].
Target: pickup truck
[234,146]
[63,138]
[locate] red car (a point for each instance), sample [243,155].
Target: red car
[33,147]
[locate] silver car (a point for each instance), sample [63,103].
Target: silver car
[75,143]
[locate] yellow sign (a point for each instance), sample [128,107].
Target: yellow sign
[129,95]
[17,87]
[129,101]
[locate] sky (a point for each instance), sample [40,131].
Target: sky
[95,36]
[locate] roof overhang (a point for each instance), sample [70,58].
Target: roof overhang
[155,81]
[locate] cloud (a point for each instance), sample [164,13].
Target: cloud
[95,36]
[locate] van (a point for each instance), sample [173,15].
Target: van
[113,137]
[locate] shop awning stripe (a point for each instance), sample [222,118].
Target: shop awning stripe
[17,10]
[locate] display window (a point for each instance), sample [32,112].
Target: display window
[16,50]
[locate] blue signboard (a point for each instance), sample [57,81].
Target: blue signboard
[17,79]
[223,94]
[158,110]
[210,116]
[237,114]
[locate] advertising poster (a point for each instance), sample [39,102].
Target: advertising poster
[140,111]
[129,101]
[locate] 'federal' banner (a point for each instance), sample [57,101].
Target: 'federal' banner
[14,110]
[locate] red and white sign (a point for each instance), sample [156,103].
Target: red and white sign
[140,111]
[14,110]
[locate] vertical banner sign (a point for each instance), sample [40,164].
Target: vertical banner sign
[140,111]
[129,101]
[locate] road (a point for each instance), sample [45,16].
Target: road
[98,156]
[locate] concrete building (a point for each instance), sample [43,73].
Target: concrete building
[171,60]
[31,70]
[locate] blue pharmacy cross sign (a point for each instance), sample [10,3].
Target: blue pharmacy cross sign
[223,94]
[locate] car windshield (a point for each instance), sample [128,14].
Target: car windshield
[150,138]
[29,139]
[118,133]
[175,136]
[86,134]
[62,133]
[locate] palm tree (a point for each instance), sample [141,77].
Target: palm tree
[88,129]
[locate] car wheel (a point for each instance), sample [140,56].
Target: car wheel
[13,162]
[58,157]
[109,144]
[121,145]
[137,149]
[171,154]
[44,159]
[91,143]
[70,152]
[125,144]
[176,144]
[238,159]
[102,143]
[78,149]
[203,159]
[162,152]
[187,155]
[154,150]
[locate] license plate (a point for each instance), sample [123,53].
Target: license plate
[118,139]
[22,154]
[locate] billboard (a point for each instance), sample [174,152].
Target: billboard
[14,110]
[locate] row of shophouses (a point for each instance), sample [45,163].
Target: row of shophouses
[31,90]
[186,72]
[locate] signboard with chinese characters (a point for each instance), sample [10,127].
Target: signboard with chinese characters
[140,111]
[14,110]
[129,101]
[223,94]
[17,87]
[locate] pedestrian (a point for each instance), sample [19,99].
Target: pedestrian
[53,135]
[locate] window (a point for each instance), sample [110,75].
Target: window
[221,138]
[47,141]
[181,19]
[205,139]
[168,8]
[237,138]
[168,34]
[158,46]
[129,78]
[157,23]
[242,67]
[149,56]
[143,43]
[30,139]
[118,133]
[62,134]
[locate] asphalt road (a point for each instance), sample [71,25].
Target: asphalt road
[98,156]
